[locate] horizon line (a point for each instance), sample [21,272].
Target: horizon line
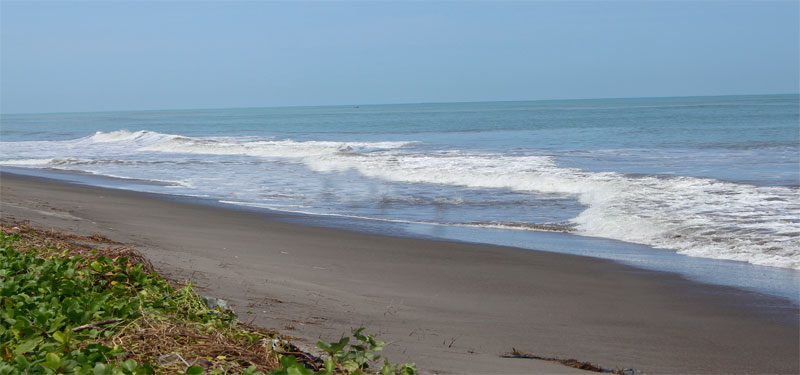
[388,104]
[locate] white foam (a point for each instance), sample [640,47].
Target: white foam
[561,228]
[26,162]
[267,148]
[548,227]
[124,135]
[53,162]
[694,216]
[123,141]
[283,208]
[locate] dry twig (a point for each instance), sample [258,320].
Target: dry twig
[95,325]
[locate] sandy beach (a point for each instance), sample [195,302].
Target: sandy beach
[450,307]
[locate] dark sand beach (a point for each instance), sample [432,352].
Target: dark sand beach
[450,307]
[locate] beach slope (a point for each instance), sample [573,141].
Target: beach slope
[451,307]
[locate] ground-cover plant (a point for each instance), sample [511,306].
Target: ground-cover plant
[46,300]
[347,358]
[96,314]
[68,309]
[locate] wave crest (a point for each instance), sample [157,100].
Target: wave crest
[693,216]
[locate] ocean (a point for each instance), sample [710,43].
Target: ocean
[708,187]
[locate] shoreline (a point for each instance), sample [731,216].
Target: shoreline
[422,294]
[741,276]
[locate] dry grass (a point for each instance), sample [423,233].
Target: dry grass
[54,243]
[155,339]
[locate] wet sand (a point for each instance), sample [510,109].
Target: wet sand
[451,307]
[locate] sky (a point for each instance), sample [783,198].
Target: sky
[114,55]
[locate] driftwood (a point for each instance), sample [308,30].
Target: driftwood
[95,325]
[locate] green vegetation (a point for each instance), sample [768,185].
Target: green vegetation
[67,310]
[346,359]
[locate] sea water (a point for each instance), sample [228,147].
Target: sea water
[661,183]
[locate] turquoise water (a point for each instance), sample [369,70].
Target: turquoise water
[706,177]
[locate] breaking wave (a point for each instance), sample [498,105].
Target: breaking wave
[694,216]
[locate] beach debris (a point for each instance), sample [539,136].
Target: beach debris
[286,348]
[173,357]
[568,362]
[213,302]
[202,362]
[273,344]
[95,325]
[168,358]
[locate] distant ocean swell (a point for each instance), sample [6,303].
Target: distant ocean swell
[700,217]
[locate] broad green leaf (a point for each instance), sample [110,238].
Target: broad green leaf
[194,370]
[145,369]
[22,361]
[129,365]
[96,266]
[350,366]
[59,337]
[52,361]
[298,369]
[409,369]
[329,366]
[288,361]
[99,369]
[28,345]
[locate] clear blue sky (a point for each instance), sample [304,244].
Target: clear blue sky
[94,56]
